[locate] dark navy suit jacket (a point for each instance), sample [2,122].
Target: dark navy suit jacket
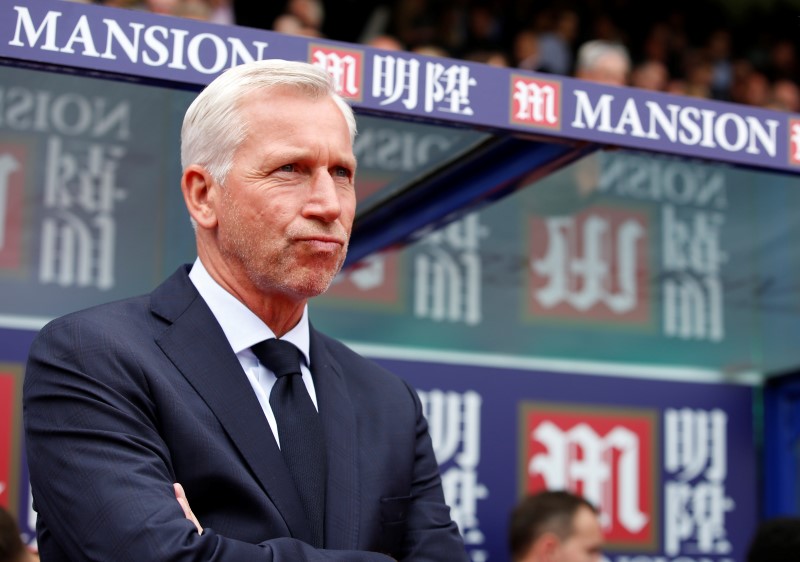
[124,399]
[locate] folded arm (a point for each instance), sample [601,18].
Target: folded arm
[101,473]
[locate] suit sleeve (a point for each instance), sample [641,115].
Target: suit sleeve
[432,535]
[100,472]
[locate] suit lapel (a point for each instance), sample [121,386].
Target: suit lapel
[197,346]
[339,426]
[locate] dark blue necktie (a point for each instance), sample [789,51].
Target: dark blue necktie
[299,429]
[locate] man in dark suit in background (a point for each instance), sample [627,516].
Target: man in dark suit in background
[125,400]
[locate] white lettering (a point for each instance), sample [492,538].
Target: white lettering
[178,49]
[455,427]
[588,280]
[395,78]
[721,133]
[68,114]
[630,117]
[602,112]
[390,149]
[707,140]
[668,124]
[768,139]
[448,273]
[219,48]
[158,47]
[47,26]
[78,236]
[83,35]
[450,85]
[240,54]
[685,125]
[692,288]
[581,458]
[342,69]
[672,180]
[690,133]
[81,113]
[695,500]
[535,102]
[131,47]
[207,53]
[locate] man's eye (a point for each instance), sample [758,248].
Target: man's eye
[342,172]
[287,168]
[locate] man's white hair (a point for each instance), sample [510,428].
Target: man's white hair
[591,52]
[213,127]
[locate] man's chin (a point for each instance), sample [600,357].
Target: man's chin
[315,284]
[309,278]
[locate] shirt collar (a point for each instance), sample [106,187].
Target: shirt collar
[242,328]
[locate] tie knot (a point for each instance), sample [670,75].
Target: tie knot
[280,357]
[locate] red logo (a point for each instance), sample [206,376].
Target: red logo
[10,428]
[13,159]
[592,265]
[346,67]
[535,102]
[794,141]
[608,456]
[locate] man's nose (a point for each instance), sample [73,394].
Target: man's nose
[323,198]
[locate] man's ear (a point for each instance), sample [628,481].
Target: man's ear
[197,186]
[546,547]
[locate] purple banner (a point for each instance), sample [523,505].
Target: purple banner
[147,46]
[670,465]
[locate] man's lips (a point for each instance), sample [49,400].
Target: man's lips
[323,243]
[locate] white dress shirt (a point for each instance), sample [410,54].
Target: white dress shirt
[243,329]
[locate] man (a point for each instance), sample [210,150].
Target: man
[605,62]
[126,399]
[555,526]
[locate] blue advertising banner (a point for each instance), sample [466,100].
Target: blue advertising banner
[671,466]
[183,51]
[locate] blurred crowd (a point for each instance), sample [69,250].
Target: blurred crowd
[743,51]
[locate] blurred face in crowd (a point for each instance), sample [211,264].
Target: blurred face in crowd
[608,69]
[583,544]
[651,75]
[586,541]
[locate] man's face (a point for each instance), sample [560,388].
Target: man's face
[608,69]
[586,542]
[286,210]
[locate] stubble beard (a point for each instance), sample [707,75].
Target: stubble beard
[278,267]
[273,265]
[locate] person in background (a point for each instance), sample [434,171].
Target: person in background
[555,526]
[606,62]
[776,540]
[12,549]
[556,34]
[209,420]
[785,96]
[526,50]
[650,75]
